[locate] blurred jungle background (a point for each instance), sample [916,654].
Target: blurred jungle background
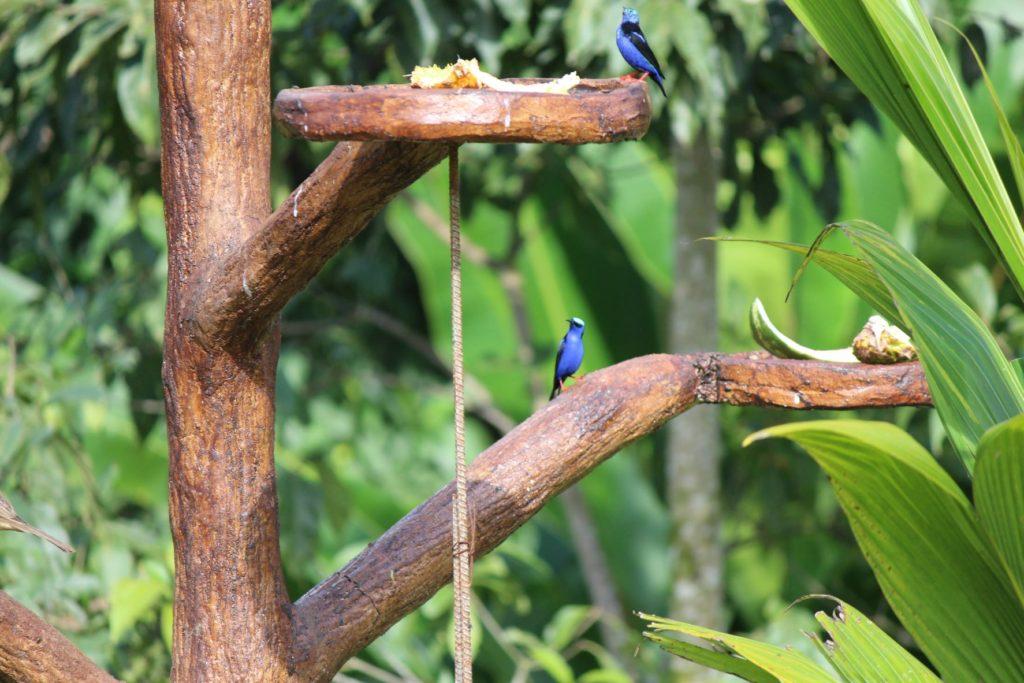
[760,137]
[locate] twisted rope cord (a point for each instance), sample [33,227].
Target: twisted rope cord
[461,550]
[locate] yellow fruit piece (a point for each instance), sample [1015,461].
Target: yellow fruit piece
[466,73]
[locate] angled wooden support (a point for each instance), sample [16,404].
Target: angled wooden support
[239,294]
[513,479]
[32,651]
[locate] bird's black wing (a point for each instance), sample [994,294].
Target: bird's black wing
[558,359]
[639,40]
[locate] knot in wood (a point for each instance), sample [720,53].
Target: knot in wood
[708,368]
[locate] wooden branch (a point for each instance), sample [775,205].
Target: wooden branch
[513,479]
[595,111]
[241,292]
[32,650]
[760,380]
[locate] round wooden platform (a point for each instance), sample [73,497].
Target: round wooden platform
[604,110]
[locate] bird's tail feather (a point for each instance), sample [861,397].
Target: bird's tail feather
[661,86]
[555,390]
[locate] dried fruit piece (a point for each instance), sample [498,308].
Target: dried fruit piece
[880,343]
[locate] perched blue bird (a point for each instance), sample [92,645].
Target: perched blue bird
[633,46]
[570,355]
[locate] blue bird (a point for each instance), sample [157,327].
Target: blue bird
[632,44]
[570,355]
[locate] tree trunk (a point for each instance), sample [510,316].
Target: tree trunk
[694,443]
[231,610]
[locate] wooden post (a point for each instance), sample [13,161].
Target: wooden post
[231,610]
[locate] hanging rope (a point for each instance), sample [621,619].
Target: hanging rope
[461,550]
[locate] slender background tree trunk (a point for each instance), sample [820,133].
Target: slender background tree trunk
[694,442]
[231,612]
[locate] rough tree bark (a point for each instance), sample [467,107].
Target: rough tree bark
[694,441]
[33,651]
[231,609]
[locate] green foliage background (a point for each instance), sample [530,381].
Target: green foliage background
[364,411]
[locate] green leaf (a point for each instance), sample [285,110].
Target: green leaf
[167,625]
[137,96]
[924,543]
[111,439]
[1013,148]
[94,36]
[890,52]
[6,173]
[719,661]
[972,383]
[999,494]
[489,326]
[131,600]
[54,26]
[605,676]
[752,20]
[16,289]
[567,625]
[853,272]
[546,657]
[783,664]
[862,652]
[637,206]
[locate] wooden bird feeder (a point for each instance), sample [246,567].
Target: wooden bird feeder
[604,110]
[593,111]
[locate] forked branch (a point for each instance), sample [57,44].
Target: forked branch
[513,479]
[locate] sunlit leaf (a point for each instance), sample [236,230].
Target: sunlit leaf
[549,659]
[853,272]
[132,600]
[565,626]
[720,661]
[774,662]
[137,95]
[925,544]
[999,494]
[889,50]
[863,653]
[971,381]
[1010,139]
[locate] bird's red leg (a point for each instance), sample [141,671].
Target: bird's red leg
[643,75]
